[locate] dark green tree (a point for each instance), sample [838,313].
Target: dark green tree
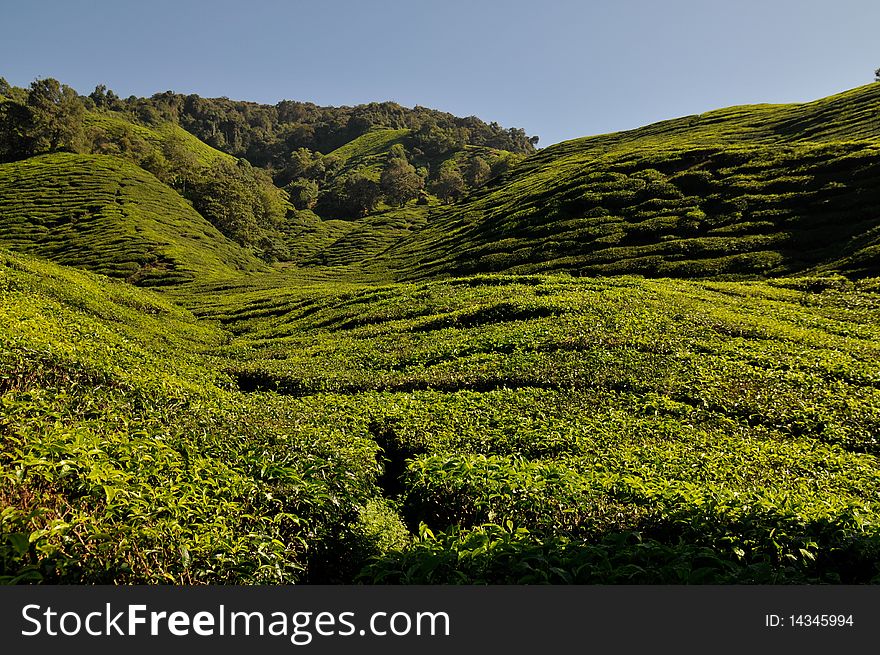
[223,196]
[303,193]
[400,182]
[478,171]
[303,163]
[272,206]
[397,151]
[450,184]
[238,200]
[104,98]
[433,139]
[183,165]
[361,193]
[155,162]
[14,140]
[56,117]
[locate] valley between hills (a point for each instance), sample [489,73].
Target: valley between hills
[272,344]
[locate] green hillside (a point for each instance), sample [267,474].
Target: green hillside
[350,240]
[117,127]
[757,190]
[847,116]
[127,458]
[110,216]
[645,357]
[371,150]
[375,142]
[483,429]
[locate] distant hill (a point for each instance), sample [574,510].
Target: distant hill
[254,171]
[261,132]
[741,192]
[106,214]
[755,190]
[118,126]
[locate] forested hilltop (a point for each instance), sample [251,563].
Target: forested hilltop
[341,162]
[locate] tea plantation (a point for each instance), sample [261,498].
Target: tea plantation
[109,215]
[646,357]
[482,429]
[743,191]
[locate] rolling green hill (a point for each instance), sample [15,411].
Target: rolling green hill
[373,143]
[644,357]
[117,126]
[754,191]
[482,429]
[108,215]
[127,458]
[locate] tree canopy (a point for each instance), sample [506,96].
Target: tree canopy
[400,182]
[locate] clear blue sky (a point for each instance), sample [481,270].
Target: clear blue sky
[559,69]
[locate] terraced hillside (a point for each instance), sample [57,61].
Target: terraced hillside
[108,215]
[117,127]
[483,429]
[347,240]
[539,428]
[754,191]
[371,149]
[587,416]
[126,458]
[375,143]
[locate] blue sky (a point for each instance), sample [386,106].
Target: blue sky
[560,69]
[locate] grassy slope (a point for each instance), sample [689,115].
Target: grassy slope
[315,242]
[371,236]
[370,150]
[752,190]
[108,215]
[710,431]
[731,425]
[126,457]
[375,143]
[116,125]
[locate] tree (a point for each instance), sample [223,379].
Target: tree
[182,162]
[435,140]
[332,165]
[104,98]
[155,162]
[223,196]
[478,171]
[124,142]
[56,117]
[400,182]
[147,114]
[397,151]
[877,75]
[238,200]
[303,193]
[273,206]
[303,163]
[14,141]
[361,193]
[14,93]
[450,185]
